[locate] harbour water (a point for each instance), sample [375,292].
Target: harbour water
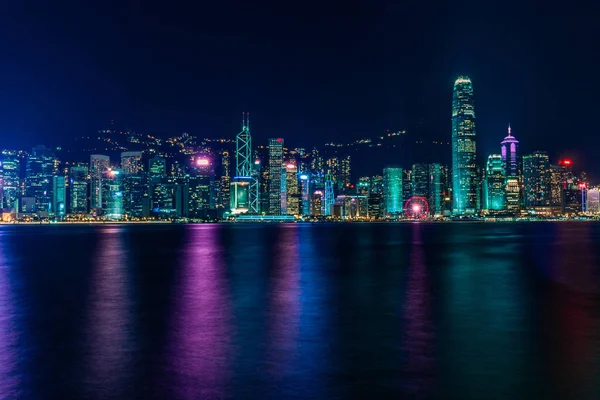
[292,311]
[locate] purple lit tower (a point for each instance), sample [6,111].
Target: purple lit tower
[510,146]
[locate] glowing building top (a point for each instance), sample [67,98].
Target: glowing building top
[509,151]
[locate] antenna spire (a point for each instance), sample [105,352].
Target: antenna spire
[509,129]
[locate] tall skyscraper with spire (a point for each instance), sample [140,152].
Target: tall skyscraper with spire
[509,152]
[244,195]
[464,169]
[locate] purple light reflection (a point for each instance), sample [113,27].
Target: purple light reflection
[110,317]
[284,303]
[419,330]
[199,355]
[9,380]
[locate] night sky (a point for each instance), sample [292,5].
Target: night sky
[306,71]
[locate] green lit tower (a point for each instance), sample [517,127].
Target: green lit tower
[392,191]
[464,169]
[494,190]
[244,188]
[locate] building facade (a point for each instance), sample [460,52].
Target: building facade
[464,168]
[392,191]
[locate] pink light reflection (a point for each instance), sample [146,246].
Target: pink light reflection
[284,303]
[110,317]
[419,331]
[199,353]
[9,380]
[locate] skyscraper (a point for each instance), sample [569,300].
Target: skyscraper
[114,192]
[420,180]
[536,178]
[246,173]
[292,190]
[41,167]
[275,175]
[201,188]
[509,151]
[392,190]
[99,165]
[131,162]
[464,168]
[11,183]
[494,189]
[59,196]
[224,182]
[78,187]
[436,189]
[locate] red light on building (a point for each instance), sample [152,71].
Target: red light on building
[566,162]
[582,185]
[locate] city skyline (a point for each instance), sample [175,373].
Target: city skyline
[176,74]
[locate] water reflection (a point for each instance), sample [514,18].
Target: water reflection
[419,333]
[9,368]
[199,358]
[284,303]
[571,304]
[486,347]
[110,332]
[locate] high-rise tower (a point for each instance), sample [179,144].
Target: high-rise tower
[244,193]
[464,170]
[510,147]
[275,175]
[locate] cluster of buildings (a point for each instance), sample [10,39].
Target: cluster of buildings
[511,183]
[224,178]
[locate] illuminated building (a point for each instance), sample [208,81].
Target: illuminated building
[333,168]
[78,189]
[134,193]
[316,204]
[374,206]
[99,164]
[10,180]
[436,189]
[376,184]
[41,167]
[392,191]
[275,175]
[344,179]
[510,158]
[494,187]
[555,183]
[239,197]
[292,190]
[536,179]
[59,196]
[593,200]
[245,172]
[420,180]
[131,162]
[114,200]
[352,206]
[513,194]
[464,169]
[329,198]
[200,188]
[305,193]
[363,186]
[157,167]
[406,184]
[224,182]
